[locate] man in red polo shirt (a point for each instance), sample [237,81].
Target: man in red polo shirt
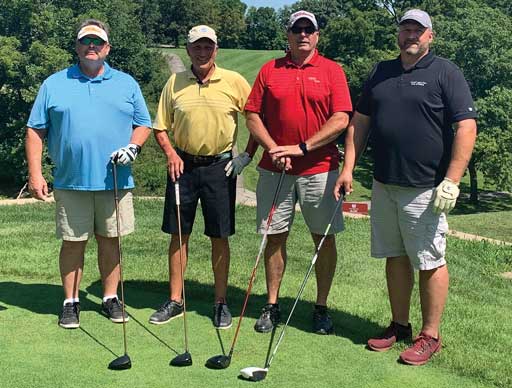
[297,108]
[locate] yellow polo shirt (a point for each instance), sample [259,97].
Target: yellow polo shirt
[203,118]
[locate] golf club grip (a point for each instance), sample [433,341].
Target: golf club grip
[177,192]
[303,285]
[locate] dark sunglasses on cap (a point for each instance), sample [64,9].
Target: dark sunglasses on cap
[86,41]
[299,30]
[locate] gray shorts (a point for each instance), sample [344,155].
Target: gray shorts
[312,192]
[404,224]
[81,214]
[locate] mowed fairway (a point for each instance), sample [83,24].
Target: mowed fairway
[35,352]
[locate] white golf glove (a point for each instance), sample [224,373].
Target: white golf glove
[237,164]
[445,196]
[125,155]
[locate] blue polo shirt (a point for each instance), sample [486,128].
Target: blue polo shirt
[87,119]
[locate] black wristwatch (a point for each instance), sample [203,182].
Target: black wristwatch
[304,148]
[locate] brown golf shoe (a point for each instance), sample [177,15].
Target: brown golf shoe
[422,350]
[393,333]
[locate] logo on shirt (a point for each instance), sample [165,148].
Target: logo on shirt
[314,79]
[418,83]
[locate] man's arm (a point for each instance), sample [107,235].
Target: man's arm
[465,137]
[175,164]
[327,134]
[140,135]
[355,141]
[34,151]
[261,135]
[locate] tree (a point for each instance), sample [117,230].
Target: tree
[263,30]
[231,24]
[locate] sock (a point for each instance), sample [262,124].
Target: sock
[107,297]
[71,300]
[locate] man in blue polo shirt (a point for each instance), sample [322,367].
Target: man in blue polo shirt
[93,116]
[420,116]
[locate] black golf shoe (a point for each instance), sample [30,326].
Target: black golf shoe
[322,322]
[221,316]
[270,317]
[70,316]
[168,311]
[113,310]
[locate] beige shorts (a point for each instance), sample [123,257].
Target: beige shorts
[312,192]
[81,214]
[404,224]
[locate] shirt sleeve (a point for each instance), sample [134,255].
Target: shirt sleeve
[39,117]
[255,100]
[458,99]
[340,94]
[141,115]
[165,113]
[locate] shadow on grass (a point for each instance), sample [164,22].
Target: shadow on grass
[151,294]
[487,202]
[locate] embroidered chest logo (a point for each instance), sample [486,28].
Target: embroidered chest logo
[418,83]
[314,79]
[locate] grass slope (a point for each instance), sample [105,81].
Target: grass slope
[477,332]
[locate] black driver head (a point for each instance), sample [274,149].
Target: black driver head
[218,362]
[121,363]
[184,359]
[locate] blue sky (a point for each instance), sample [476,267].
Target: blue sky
[268,3]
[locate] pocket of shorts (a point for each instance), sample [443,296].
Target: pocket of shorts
[437,244]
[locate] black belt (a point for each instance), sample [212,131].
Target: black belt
[203,159]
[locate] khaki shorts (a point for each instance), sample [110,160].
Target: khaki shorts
[312,192]
[404,224]
[81,214]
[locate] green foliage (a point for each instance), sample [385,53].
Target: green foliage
[264,32]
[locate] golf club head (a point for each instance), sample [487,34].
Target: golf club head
[184,359]
[121,363]
[254,373]
[218,362]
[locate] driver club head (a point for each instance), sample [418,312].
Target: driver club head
[218,362]
[184,359]
[253,373]
[121,363]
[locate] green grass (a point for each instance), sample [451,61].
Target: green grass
[477,333]
[495,225]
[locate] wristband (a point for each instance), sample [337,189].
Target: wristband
[304,148]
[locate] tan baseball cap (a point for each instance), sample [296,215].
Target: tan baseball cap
[201,31]
[92,29]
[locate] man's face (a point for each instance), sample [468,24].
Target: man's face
[202,53]
[414,39]
[92,48]
[302,37]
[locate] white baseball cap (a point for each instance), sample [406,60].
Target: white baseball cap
[92,29]
[294,17]
[418,16]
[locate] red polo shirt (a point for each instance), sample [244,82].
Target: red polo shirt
[294,102]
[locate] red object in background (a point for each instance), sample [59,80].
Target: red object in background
[355,207]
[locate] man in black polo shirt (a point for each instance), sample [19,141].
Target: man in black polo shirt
[419,114]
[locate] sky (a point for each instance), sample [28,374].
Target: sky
[268,3]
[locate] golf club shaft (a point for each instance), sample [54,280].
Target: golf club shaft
[178,203]
[256,263]
[118,223]
[303,285]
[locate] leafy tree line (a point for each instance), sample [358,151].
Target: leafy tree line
[37,39]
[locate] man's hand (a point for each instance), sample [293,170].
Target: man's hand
[445,196]
[286,151]
[175,165]
[343,184]
[125,155]
[237,164]
[38,187]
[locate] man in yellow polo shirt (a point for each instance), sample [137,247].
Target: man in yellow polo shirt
[200,107]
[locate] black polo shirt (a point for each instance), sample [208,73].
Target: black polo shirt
[412,112]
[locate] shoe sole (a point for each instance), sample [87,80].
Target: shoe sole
[323,332]
[223,327]
[264,331]
[69,325]
[115,320]
[164,322]
[379,349]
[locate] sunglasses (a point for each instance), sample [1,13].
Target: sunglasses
[298,30]
[86,41]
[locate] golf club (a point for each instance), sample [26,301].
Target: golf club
[124,361]
[257,374]
[184,359]
[222,361]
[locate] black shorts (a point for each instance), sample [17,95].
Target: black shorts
[217,192]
